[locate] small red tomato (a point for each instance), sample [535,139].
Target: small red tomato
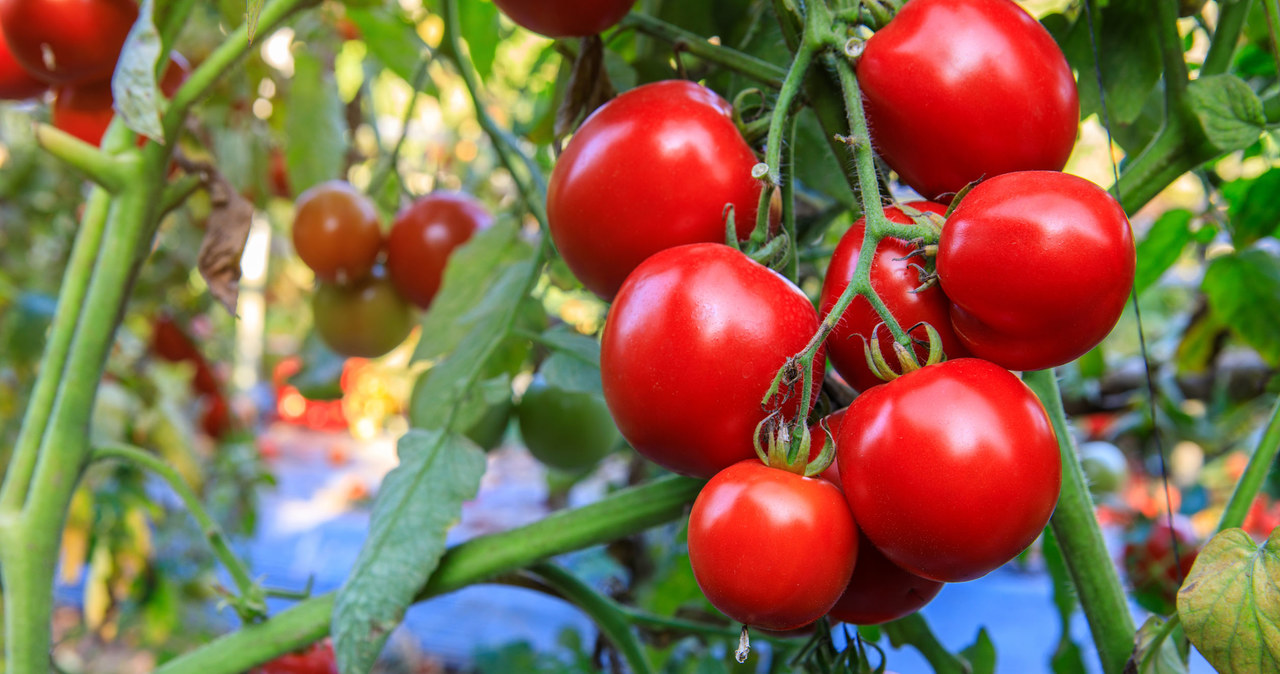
[565,18]
[692,344]
[1154,572]
[86,110]
[1038,266]
[950,470]
[652,169]
[67,41]
[336,232]
[16,83]
[770,548]
[960,90]
[317,658]
[424,235]
[895,279]
[880,590]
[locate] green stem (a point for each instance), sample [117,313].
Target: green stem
[663,623]
[602,610]
[1271,8]
[792,267]
[782,108]
[1092,571]
[620,514]
[1149,658]
[100,168]
[1231,18]
[914,630]
[1175,65]
[179,191]
[1167,157]
[388,164]
[1254,474]
[250,593]
[691,43]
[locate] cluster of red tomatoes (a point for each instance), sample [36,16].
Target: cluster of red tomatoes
[71,47]
[368,284]
[944,473]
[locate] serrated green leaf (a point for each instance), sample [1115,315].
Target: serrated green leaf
[479,22]
[137,96]
[1129,51]
[393,40]
[1166,661]
[315,113]
[1229,603]
[981,654]
[416,505]
[473,269]
[1244,291]
[1161,247]
[1255,212]
[1229,111]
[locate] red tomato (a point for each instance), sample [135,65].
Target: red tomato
[652,169]
[880,591]
[951,470]
[424,235]
[67,41]
[1038,266]
[818,439]
[692,343]
[172,343]
[895,280]
[16,83]
[85,111]
[278,174]
[336,232]
[565,18]
[959,90]
[1149,561]
[317,658]
[770,548]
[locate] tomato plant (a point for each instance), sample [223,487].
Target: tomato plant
[422,237]
[608,210]
[1074,268]
[568,430]
[336,232]
[15,82]
[566,18]
[964,433]
[896,278]
[67,41]
[85,110]
[314,659]
[366,319]
[771,548]
[691,345]
[960,91]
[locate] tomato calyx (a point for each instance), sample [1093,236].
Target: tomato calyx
[790,452]
[879,365]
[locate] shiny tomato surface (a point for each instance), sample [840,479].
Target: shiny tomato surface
[770,548]
[951,470]
[691,345]
[565,18]
[16,83]
[652,169]
[959,90]
[424,235]
[880,590]
[67,41]
[336,232]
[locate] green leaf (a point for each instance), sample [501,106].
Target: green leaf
[566,339]
[1161,247]
[315,113]
[1255,211]
[473,270]
[1244,292]
[1067,659]
[568,373]
[1129,53]
[981,654]
[417,504]
[1229,602]
[479,22]
[1229,111]
[137,96]
[321,375]
[394,41]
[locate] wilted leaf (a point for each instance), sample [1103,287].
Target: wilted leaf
[417,504]
[224,238]
[589,86]
[1230,601]
[137,96]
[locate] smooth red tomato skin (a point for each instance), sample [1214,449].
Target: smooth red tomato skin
[1038,266]
[565,18]
[951,470]
[818,439]
[86,110]
[424,235]
[691,345]
[770,548]
[895,280]
[651,169]
[315,659]
[960,90]
[82,37]
[880,590]
[336,232]
[16,84]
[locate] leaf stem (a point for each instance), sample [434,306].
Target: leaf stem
[1254,474]
[98,167]
[1175,65]
[695,45]
[1231,18]
[603,611]
[388,165]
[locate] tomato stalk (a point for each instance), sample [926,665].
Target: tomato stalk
[695,45]
[98,167]
[602,610]
[1254,474]
[1226,35]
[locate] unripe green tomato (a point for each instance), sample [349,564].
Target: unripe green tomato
[364,320]
[569,430]
[1105,467]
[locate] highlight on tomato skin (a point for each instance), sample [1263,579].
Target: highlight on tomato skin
[565,18]
[336,232]
[67,42]
[424,236]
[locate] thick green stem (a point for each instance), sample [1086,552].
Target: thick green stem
[915,631]
[1231,18]
[1094,574]
[98,167]
[1254,474]
[695,45]
[620,514]
[1271,8]
[1175,67]
[604,612]
[250,594]
[1167,157]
